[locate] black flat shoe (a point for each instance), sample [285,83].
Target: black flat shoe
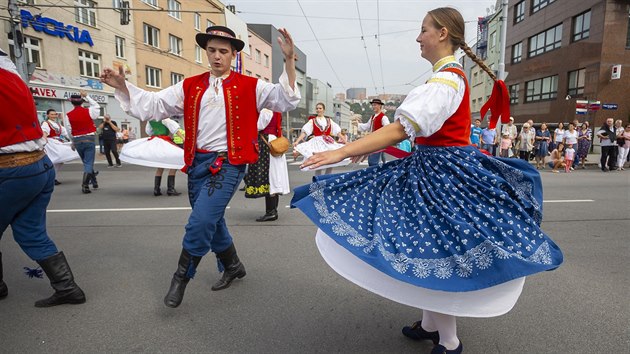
[268,217]
[57,183]
[416,332]
[440,349]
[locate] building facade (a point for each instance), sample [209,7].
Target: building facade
[322,92]
[560,51]
[356,93]
[258,62]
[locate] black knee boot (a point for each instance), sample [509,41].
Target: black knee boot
[233,268]
[271,209]
[186,268]
[170,184]
[61,279]
[85,185]
[93,179]
[4,291]
[156,186]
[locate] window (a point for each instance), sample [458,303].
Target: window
[209,23]
[493,39]
[538,5]
[84,12]
[175,45]
[541,89]
[151,2]
[175,78]
[514,94]
[257,57]
[581,26]
[197,21]
[628,32]
[151,36]
[32,49]
[266,79]
[197,53]
[576,82]
[174,8]
[248,73]
[266,61]
[154,76]
[519,12]
[545,41]
[89,64]
[475,79]
[120,47]
[517,52]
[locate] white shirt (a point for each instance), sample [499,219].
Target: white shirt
[367,127]
[170,124]
[322,122]
[570,138]
[94,110]
[211,129]
[428,106]
[559,135]
[61,130]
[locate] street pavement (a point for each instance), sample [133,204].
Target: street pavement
[123,244]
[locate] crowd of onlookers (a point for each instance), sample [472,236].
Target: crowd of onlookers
[565,148]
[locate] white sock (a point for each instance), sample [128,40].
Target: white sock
[427,322]
[447,326]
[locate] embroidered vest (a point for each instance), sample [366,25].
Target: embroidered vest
[377,122]
[53,132]
[241,114]
[456,129]
[18,118]
[317,131]
[80,121]
[275,125]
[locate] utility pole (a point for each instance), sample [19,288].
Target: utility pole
[18,41]
[501,75]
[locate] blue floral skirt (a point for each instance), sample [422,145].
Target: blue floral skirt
[445,218]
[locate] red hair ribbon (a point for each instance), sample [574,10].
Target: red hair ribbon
[498,104]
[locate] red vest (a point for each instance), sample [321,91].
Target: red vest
[275,125]
[377,122]
[241,115]
[80,121]
[18,116]
[318,132]
[53,133]
[456,129]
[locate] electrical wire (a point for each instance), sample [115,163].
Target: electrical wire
[378,43]
[367,56]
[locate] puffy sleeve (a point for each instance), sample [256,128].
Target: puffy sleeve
[427,107]
[45,128]
[146,105]
[384,120]
[335,128]
[170,124]
[364,127]
[278,97]
[264,118]
[308,127]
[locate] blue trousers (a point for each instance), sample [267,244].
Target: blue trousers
[87,150]
[25,192]
[373,159]
[209,195]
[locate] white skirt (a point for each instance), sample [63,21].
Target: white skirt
[60,152]
[154,152]
[278,173]
[489,302]
[320,144]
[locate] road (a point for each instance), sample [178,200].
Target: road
[123,244]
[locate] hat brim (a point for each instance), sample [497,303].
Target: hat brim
[203,38]
[3,53]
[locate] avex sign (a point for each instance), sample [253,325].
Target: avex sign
[55,28]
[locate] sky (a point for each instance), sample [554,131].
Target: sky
[331,37]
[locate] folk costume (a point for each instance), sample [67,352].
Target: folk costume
[268,177]
[58,148]
[376,122]
[220,120]
[80,126]
[321,127]
[447,229]
[26,185]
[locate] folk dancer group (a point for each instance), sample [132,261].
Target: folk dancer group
[448,229]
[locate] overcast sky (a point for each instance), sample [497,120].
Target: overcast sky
[335,23]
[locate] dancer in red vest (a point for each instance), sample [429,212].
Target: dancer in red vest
[81,128]
[58,147]
[27,180]
[220,110]
[376,122]
[318,125]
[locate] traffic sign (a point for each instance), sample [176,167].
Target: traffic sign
[612,106]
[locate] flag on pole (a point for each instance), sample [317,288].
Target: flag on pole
[581,107]
[238,67]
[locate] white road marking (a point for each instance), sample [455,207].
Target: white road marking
[569,201]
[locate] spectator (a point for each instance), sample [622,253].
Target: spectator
[623,149]
[570,138]
[608,141]
[342,138]
[557,158]
[109,130]
[525,143]
[558,135]
[569,155]
[585,134]
[489,140]
[619,138]
[506,145]
[511,130]
[475,133]
[543,137]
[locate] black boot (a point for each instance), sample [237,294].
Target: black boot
[185,271]
[93,179]
[271,209]
[4,291]
[85,185]
[170,185]
[61,279]
[233,268]
[156,186]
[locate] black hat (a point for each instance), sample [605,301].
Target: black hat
[76,99]
[376,100]
[219,32]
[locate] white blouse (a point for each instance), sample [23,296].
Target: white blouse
[321,122]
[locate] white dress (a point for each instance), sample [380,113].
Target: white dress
[154,151]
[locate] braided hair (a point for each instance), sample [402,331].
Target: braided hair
[452,20]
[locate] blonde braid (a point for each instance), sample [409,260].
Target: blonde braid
[476,59]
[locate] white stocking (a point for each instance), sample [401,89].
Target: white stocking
[446,325]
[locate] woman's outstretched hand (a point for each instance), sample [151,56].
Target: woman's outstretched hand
[323,158]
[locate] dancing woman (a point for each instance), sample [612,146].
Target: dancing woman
[448,229]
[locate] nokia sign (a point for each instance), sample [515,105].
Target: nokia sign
[55,28]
